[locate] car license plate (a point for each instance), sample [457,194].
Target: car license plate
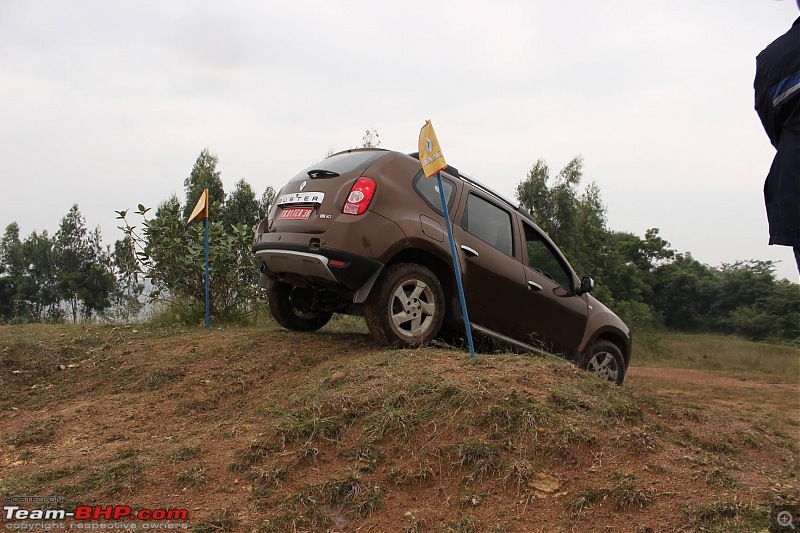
[294,213]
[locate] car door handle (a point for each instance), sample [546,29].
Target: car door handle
[532,285]
[469,250]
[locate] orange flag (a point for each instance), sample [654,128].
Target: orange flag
[201,209]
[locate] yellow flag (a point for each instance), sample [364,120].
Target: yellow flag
[430,154]
[201,209]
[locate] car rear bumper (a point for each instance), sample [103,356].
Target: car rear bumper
[277,260]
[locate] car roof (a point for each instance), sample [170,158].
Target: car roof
[453,171]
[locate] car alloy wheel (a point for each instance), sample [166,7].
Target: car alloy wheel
[413,308]
[604,365]
[406,307]
[604,359]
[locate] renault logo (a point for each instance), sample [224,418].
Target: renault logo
[303,186]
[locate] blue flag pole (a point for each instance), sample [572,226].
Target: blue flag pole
[456,266]
[208,315]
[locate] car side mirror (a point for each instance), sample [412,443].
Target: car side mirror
[587,285]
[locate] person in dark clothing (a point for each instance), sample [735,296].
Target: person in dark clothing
[777,96]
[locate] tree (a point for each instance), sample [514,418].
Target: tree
[129,281]
[560,210]
[170,253]
[10,248]
[85,280]
[575,220]
[371,139]
[683,292]
[10,269]
[204,175]
[266,201]
[747,300]
[35,278]
[241,207]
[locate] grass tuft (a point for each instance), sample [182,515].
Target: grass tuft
[728,515]
[253,454]
[716,477]
[625,494]
[185,453]
[36,433]
[480,458]
[223,523]
[339,499]
[194,476]
[159,377]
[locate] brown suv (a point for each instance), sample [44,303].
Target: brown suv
[362,233]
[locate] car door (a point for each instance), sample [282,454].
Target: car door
[492,273]
[555,317]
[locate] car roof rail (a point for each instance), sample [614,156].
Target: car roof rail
[524,212]
[453,171]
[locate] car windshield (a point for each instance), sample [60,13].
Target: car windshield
[341,163]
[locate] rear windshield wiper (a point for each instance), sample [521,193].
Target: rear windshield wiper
[321,173]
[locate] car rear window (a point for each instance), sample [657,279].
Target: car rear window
[343,163]
[428,189]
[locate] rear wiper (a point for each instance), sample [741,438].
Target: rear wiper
[321,173]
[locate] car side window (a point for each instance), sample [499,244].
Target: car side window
[543,259]
[489,223]
[428,189]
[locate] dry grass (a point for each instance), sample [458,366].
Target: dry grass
[727,355]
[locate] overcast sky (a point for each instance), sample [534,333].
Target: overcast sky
[108,104]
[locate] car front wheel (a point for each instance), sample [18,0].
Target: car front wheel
[407,307]
[295,309]
[604,359]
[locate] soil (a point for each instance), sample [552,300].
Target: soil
[253,430]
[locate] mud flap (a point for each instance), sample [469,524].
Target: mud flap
[265,282]
[361,294]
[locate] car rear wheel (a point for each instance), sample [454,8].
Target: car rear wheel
[604,359]
[295,309]
[407,306]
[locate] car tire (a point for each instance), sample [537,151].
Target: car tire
[407,306]
[292,308]
[605,359]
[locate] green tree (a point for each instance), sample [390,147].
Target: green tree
[574,219]
[750,302]
[684,292]
[241,206]
[85,279]
[170,253]
[204,175]
[33,274]
[644,279]
[265,202]
[10,269]
[71,255]
[130,285]
[10,248]
[166,207]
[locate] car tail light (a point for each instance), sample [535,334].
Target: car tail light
[360,196]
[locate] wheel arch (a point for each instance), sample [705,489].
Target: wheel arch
[617,339]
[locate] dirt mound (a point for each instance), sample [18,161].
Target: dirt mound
[276,431]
